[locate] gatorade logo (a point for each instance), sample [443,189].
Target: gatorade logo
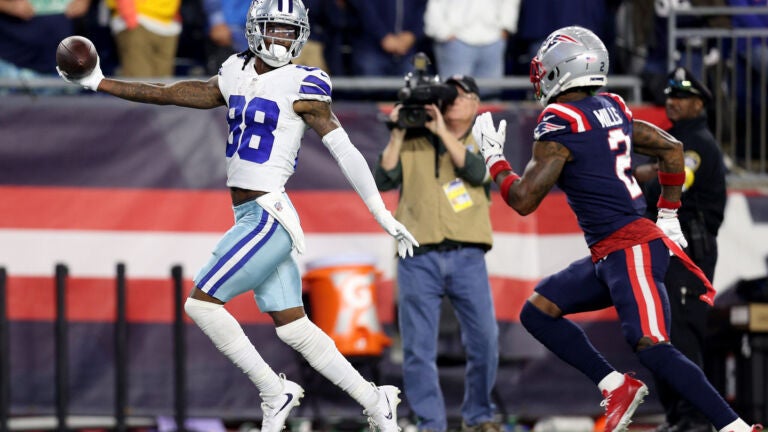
[356,309]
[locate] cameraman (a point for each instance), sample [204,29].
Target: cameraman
[444,201]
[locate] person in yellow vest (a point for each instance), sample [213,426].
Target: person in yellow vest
[444,201]
[146,34]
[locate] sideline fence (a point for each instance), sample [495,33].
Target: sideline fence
[64,421]
[738,81]
[628,84]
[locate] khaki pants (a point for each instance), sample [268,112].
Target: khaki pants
[146,54]
[312,55]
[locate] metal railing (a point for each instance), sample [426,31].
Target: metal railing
[629,84]
[738,80]
[63,420]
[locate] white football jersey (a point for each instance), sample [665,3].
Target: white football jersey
[264,132]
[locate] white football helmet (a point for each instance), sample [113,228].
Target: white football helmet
[569,57]
[264,12]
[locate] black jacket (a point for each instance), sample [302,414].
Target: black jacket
[705,199]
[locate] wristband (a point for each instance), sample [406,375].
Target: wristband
[671,179]
[506,184]
[664,204]
[499,166]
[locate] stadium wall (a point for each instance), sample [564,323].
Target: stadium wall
[94,181]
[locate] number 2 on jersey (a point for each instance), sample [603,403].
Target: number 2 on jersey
[624,161]
[251,128]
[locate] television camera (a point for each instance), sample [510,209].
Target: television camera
[421,89]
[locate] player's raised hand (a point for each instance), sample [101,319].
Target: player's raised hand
[405,240]
[490,139]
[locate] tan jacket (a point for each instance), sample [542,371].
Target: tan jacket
[425,208]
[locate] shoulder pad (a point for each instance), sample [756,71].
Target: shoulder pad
[315,84]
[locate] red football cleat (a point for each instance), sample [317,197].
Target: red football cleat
[621,404]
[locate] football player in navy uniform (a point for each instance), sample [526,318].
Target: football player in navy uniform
[583,144]
[271,103]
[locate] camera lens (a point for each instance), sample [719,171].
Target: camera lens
[412,116]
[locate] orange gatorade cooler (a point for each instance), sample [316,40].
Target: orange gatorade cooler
[342,296]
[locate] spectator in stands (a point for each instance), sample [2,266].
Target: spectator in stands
[701,214]
[387,34]
[225,31]
[147,35]
[756,21]
[333,19]
[226,23]
[751,64]
[690,52]
[444,201]
[539,18]
[322,13]
[30,31]
[470,37]
[634,29]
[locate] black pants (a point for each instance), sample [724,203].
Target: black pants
[689,317]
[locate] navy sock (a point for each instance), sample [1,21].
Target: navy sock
[667,363]
[566,340]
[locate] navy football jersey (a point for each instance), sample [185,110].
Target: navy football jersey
[598,180]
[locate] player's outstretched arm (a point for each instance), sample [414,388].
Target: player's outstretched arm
[524,194]
[187,93]
[318,116]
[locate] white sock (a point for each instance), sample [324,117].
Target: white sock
[737,425]
[611,382]
[228,336]
[321,353]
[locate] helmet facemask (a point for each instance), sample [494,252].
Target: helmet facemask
[277,30]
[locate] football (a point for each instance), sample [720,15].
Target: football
[76,56]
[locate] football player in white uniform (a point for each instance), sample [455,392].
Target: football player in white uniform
[271,103]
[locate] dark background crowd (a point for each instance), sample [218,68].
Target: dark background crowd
[356,37]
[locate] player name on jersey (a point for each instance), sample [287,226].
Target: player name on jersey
[608,116]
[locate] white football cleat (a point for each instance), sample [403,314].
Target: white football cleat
[276,408]
[383,418]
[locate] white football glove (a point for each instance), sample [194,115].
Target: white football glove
[668,222]
[405,240]
[90,81]
[490,140]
